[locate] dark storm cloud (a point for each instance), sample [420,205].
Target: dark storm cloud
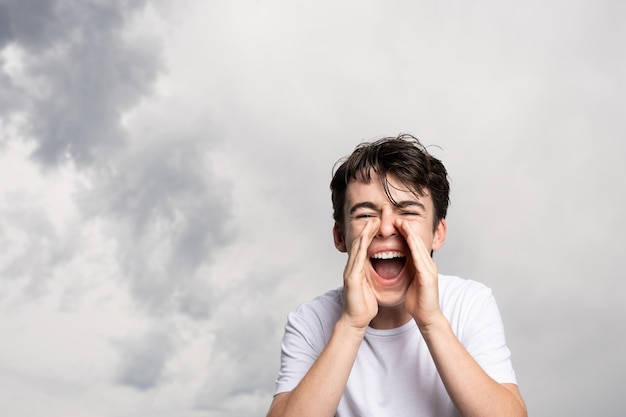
[33,23]
[86,73]
[5,29]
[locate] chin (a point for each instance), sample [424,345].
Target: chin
[388,297]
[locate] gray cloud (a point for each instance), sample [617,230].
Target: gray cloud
[143,358]
[242,366]
[35,23]
[170,215]
[167,209]
[84,74]
[33,246]
[156,194]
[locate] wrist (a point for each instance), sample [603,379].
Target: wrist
[347,328]
[437,325]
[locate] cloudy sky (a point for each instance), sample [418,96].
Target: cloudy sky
[164,203]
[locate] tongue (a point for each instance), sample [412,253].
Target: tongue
[388,268]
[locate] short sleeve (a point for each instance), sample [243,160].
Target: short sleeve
[484,338]
[307,332]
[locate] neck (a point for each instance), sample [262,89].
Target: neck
[390,317]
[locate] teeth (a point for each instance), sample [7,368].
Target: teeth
[388,255]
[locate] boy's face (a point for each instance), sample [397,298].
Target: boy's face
[389,268]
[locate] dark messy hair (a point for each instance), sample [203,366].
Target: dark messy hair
[404,157]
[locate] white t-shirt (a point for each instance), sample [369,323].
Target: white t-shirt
[394,374]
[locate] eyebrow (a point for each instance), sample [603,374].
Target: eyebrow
[364,204]
[399,204]
[409,203]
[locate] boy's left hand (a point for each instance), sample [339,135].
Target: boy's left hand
[422,296]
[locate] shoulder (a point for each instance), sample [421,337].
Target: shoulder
[322,305]
[318,315]
[462,298]
[469,306]
[454,286]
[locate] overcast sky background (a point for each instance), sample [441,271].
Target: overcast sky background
[164,202]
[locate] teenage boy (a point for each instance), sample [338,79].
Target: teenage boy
[398,339]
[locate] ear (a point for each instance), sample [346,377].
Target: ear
[440,235]
[340,243]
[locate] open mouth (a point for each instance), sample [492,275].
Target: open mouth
[389,264]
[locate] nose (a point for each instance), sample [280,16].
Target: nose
[387,227]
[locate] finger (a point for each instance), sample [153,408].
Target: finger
[354,250]
[421,256]
[364,240]
[358,252]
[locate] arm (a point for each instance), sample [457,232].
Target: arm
[473,392]
[319,392]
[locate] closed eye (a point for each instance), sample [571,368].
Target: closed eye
[410,208]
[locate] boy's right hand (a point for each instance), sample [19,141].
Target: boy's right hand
[359,301]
